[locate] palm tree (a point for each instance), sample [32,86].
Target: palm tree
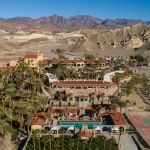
[104,138]
[91,95]
[98,96]
[91,142]
[111,143]
[121,104]
[59,52]
[102,96]
[71,143]
[39,143]
[44,145]
[51,141]
[120,133]
[69,95]
[33,141]
[20,95]
[78,138]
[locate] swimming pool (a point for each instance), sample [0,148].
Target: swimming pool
[79,124]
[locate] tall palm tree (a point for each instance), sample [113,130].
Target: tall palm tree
[91,95]
[91,142]
[121,104]
[78,138]
[102,96]
[120,133]
[59,52]
[84,145]
[111,143]
[51,141]
[104,138]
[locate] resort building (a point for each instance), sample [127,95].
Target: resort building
[80,63]
[33,59]
[51,77]
[109,76]
[13,63]
[81,91]
[82,84]
[38,122]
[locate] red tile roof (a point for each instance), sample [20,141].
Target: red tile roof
[57,110]
[72,109]
[30,56]
[82,83]
[41,114]
[7,68]
[88,110]
[38,121]
[85,133]
[45,61]
[100,93]
[82,96]
[65,110]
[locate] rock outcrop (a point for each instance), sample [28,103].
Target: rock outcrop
[129,37]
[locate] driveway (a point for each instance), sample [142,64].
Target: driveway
[126,142]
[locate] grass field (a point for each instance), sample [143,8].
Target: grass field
[68,143]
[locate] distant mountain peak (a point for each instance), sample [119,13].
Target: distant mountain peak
[57,22]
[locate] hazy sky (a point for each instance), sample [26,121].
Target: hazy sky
[131,9]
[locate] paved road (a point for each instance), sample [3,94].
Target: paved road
[126,142]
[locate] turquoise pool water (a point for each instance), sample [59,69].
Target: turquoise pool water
[79,124]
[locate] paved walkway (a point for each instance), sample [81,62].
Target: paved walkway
[126,142]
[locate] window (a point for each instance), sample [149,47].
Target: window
[82,99]
[78,87]
[84,87]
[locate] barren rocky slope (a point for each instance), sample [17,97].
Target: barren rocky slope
[123,40]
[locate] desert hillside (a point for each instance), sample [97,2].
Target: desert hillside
[122,41]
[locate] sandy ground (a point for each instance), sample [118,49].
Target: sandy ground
[47,48]
[134,98]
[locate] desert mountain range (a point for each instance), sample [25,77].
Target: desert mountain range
[78,34]
[61,23]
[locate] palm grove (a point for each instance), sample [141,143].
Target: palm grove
[20,99]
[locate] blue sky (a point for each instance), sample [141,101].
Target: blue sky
[130,9]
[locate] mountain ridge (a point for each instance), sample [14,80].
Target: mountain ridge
[57,22]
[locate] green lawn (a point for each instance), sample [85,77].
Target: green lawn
[68,143]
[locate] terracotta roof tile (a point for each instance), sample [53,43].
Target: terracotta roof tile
[72,110]
[7,68]
[85,133]
[82,83]
[57,110]
[82,96]
[38,121]
[32,56]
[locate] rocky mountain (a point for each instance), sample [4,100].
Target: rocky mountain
[90,35]
[128,37]
[60,23]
